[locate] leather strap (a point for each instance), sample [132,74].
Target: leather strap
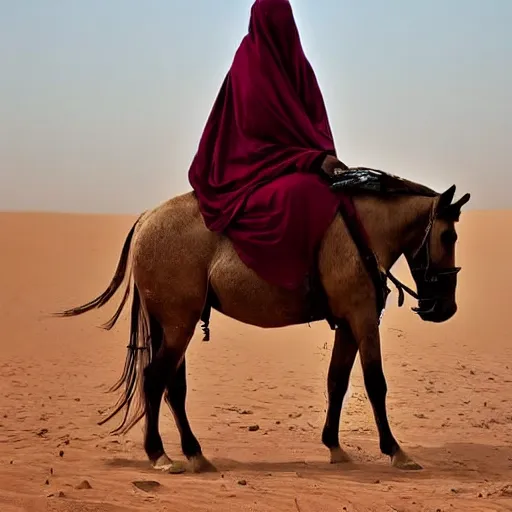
[359,235]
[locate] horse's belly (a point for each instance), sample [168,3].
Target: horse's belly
[241,294]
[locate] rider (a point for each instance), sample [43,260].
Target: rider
[258,170]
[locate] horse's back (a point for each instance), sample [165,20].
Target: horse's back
[178,216]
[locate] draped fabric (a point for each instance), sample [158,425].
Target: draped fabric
[256,171]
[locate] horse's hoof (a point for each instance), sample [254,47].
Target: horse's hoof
[177,468]
[166,465]
[200,464]
[162,463]
[402,461]
[339,456]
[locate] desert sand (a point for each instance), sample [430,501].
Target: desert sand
[449,402]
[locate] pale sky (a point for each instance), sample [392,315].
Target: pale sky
[102,102]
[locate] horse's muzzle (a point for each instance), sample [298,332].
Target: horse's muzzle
[436,311]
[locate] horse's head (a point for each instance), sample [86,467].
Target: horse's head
[432,262]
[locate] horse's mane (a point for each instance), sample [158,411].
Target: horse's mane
[373,181]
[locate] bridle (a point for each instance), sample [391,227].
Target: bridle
[423,273]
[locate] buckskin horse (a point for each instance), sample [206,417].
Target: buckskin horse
[180,270]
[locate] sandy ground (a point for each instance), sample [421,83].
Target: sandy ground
[450,393]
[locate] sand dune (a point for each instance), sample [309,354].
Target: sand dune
[450,393]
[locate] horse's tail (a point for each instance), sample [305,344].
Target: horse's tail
[139,348]
[138,357]
[117,281]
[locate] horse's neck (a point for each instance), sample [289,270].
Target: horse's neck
[394,224]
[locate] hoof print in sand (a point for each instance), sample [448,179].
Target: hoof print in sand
[147,485]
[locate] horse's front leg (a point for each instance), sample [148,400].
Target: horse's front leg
[342,360]
[366,333]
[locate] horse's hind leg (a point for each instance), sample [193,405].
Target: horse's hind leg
[169,347]
[176,398]
[342,360]
[153,388]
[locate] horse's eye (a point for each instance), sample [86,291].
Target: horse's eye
[449,237]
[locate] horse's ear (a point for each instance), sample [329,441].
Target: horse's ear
[452,211]
[446,199]
[462,201]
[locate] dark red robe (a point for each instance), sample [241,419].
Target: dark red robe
[256,173]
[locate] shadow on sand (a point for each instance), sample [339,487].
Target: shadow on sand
[466,461]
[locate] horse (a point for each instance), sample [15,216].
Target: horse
[176,270]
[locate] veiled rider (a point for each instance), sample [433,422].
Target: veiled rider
[260,170]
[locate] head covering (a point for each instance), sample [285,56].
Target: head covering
[269,118]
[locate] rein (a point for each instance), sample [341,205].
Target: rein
[401,288]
